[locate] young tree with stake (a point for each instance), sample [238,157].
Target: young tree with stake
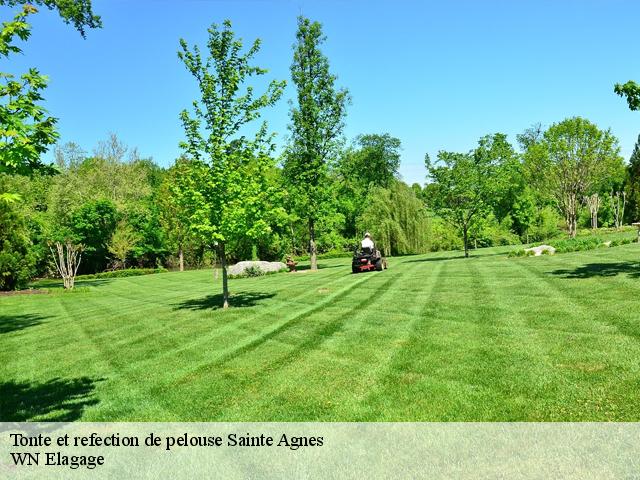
[224,190]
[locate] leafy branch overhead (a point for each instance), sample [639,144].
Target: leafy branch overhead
[75,12]
[630,90]
[26,130]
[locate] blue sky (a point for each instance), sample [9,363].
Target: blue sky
[438,75]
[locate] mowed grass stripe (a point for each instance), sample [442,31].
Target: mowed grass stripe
[278,382]
[436,337]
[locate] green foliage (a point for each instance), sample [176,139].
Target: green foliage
[631,91]
[396,219]
[253,271]
[75,12]
[225,191]
[317,121]
[546,224]
[26,131]
[92,226]
[443,236]
[129,272]
[172,217]
[633,185]
[489,232]
[16,258]
[374,160]
[462,185]
[577,244]
[573,159]
[123,240]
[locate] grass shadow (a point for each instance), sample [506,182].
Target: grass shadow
[460,256]
[214,302]
[56,283]
[58,400]
[13,323]
[320,267]
[601,270]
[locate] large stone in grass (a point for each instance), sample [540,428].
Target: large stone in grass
[537,251]
[240,267]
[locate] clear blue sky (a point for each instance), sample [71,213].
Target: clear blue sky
[438,75]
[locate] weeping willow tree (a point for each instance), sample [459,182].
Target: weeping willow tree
[396,219]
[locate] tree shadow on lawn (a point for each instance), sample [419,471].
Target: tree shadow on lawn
[590,270]
[320,267]
[214,302]
[58,400]
[13,323]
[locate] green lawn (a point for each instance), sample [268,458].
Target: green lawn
[434,338]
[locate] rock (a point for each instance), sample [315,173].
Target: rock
[240,267]
[537,251]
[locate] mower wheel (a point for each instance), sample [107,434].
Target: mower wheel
[355,269]
[379,265]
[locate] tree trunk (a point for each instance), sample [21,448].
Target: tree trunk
[181,258]
[572,223]
[312,245]
[223,265]
[465,240]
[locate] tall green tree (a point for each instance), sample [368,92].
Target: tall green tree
[572,161]
[375,160]
[462,187]
[317,122]
[26,129]
[633,184]
[225,188]
[372,161]
[173,216]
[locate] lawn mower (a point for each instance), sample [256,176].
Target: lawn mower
[367,259]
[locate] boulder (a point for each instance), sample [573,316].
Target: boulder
[240,267]
[537,251]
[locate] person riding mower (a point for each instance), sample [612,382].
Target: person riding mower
[368,257]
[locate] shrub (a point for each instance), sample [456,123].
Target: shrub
[130,272]
[253,271]
[17,261]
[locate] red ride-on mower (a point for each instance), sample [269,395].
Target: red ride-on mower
[366,260]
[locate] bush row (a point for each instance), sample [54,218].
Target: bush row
[576,245]
[130,272]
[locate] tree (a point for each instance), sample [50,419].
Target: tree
[224,190]
[26,131]
[618,201]
[92,226]
[462,187]
[173,216]
[594,202]
[16,259]
[67,257]
[633,183]
[374,161]
[122,242]
[396,219]
[317,122]
[630,90]
[572,161]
